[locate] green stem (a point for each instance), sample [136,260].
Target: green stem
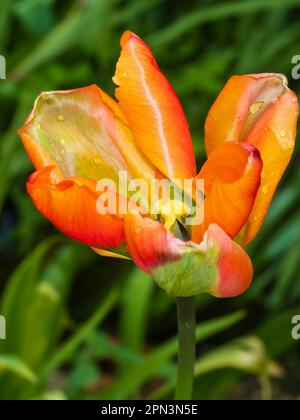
[186,352]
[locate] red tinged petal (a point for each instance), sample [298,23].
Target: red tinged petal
[234,265]
[85,133]
[153,110]
[148,242]
[70,204]
[261,110]
[231,180]
[217,265]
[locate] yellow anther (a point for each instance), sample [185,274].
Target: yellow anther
[171,211]
[169,220]
[175,207]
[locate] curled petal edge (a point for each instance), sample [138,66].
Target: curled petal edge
[217,265]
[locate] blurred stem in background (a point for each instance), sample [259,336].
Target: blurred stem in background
[186,352]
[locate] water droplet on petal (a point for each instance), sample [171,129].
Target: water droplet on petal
[291,144]
[61,118]
[294,99]
[265,189]
[255,107]
[97,160]
[263,174]
[275,99]
[282,133]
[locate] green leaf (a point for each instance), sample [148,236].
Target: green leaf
[17,296]
[36,15]
[102,345]
[247,354]
[216,12]
[10,363]
[133,327]
[10,142]
[276,332]
[53,395]
[70,346]
[152,365]
[5,16]
[84,373]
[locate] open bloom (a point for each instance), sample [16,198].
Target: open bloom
[74,138]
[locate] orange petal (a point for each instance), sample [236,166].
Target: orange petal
[85,133]
[231,180]
[217,266]
[70,205]
[261,110]
[153,110]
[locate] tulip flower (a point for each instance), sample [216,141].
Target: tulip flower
[74,138]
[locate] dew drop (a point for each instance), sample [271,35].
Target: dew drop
[61,118]
[294,99]
[265,189]
[291,144]
[97,160]
[263,174]
[124,74]
[275,99]
[255,107]
[282,133]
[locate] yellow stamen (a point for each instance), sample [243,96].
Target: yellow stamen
[171,211]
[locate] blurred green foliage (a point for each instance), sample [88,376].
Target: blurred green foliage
[81,326]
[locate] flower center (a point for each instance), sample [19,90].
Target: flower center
[170,211]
